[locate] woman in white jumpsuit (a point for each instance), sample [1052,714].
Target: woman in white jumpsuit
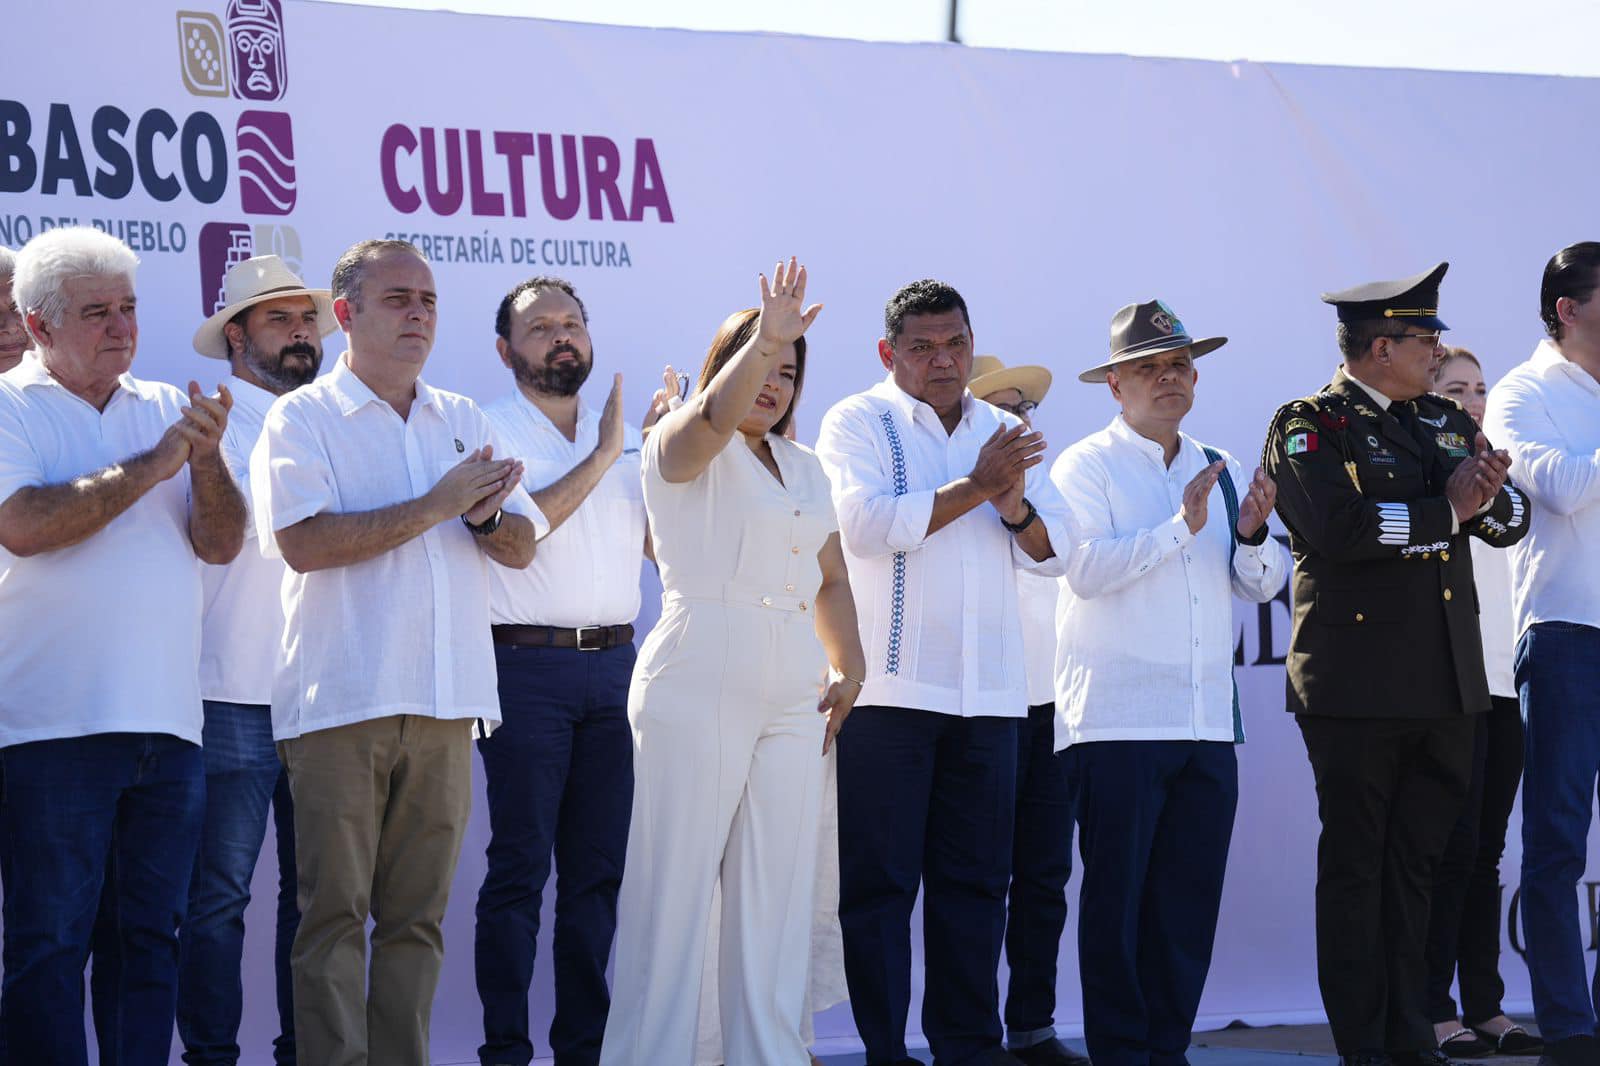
[728,731]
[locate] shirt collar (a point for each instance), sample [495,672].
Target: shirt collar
[908,405]
[250,396]
[542,420]
[31,373]
[1121,431]
[1548,360]
[1378,398]
[353,394]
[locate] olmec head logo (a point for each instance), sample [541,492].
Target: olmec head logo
[247,58]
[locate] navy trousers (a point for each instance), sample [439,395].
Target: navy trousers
[1155,819]
[925,799]
[1041,864]
[559,776]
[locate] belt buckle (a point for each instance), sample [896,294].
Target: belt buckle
[598,633]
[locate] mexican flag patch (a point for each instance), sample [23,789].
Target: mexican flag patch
[1300,443]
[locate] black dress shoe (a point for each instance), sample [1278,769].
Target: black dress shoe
[1580,1050]
[1366,1058]
[1430,1057]
[1050,1053]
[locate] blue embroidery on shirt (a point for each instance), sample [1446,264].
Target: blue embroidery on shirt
[897,603]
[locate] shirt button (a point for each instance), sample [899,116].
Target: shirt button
[766,601]
[1425,554]
[1444,557]
[797,514]
[1447,594]
[788,588]
[802,605]
[1360,617]
[795,550]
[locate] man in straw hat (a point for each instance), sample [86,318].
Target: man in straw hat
[110,489]
[270,331]
[1169,530]
[1041,853]
[1379,483]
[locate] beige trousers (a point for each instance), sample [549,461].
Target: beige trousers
[380,810]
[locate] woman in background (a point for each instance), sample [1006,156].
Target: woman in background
[1464,926]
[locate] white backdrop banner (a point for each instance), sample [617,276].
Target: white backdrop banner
[660,170]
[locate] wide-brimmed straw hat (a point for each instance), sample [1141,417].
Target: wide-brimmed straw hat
[990,375]
[1145,329]
[256,280]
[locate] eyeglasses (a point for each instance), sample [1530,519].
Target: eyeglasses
[1021,410]
[1432,340]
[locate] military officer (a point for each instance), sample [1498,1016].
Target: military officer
[1380,483]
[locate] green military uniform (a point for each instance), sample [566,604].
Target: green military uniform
[1385,666]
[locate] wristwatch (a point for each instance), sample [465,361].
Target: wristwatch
[1027,519]
[484,528]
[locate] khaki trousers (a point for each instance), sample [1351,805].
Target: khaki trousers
[381,808]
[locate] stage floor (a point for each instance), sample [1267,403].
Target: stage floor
[1264,1046]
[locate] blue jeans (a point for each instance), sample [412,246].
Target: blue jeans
[559,777]
[243,778]
[1558,681]
[70,804]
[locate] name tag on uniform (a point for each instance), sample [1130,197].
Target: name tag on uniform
[1453,444]
[1382,457]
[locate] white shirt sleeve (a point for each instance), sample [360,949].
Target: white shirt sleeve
[1557,478]
[1057,519]
[873,521]
[290,476]
[1259,570]
[519,502]
[1102,561]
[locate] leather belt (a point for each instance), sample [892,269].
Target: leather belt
[584,638]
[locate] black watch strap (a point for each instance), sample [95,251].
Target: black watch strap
[1027,519]
[484,528]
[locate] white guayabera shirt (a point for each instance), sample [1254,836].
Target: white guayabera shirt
[938,614]
[1144,625]
[405,632]
[586,572]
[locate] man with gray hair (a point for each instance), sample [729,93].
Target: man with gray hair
[386,500]
[110,489]
[13,334]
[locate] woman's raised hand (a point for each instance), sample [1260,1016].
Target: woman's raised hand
[782,319]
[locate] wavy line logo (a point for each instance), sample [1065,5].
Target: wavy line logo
[224,244]
[264,143]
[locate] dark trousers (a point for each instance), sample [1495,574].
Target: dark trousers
[137,798]
[1388,793]
[925,798]
[1464,920]
[559,775]
[1041,864]
[1558,680]
[1155,820]
[244,781]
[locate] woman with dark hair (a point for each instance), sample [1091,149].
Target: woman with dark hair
[1464,924]
[728,738]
